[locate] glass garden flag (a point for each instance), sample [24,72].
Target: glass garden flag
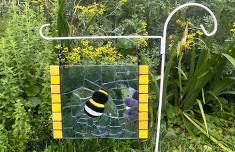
[99,101]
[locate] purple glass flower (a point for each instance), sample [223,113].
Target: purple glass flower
[130,102]
[132,105]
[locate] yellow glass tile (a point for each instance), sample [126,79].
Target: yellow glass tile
[143,107]
[55,79]
[144,79]
[143,69]
[143,124]
[56,108]
[54,70]
[143,88]
[56,117]
[143,98]
[143,116]
[57,134]
[143,134]
[55,98]
[55,88]
[57,125]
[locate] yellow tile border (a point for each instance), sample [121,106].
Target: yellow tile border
[56,107]
[54,70]
[143,107]
[143,134]
[55,79]
[143,116]
[57,125]
[143,79]
[56,117]
[143,101]
[143,125]
[143,69]
[143,89]
[143,98]
[57,134]
[55,98]
[55,89]
[56,102]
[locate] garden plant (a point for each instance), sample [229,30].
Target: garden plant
[199,94]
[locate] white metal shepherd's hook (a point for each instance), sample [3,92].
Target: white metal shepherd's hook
[163,50]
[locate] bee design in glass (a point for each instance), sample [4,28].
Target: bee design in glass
[94,107]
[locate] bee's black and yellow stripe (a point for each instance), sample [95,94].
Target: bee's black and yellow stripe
[94,107]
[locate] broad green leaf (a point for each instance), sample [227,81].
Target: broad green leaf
[222,85]
[203,96]
[182,72]
[180,77]
[167,73]
[203,115]
[230,58]
[192,63]
[232,78]
[217,99]
[179,48]
[228,92]
[220,144]
[202,75]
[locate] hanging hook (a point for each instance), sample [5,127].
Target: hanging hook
[202,26]
[41,31]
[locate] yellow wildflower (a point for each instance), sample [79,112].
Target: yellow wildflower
[84,43]
[189,41]
[74,56]
[103,54]
[142,27]
[122,2]
[185,44]
[182,23]
[199,33]
[91,10]
[141,42]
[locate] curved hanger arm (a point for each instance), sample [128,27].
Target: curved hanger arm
[202,26]
[93,37]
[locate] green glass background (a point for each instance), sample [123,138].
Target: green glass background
[78,82]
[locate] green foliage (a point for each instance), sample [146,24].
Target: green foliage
[104,18]
[24,82]
[4,143]
[196,73]
[198,99]
[21,128]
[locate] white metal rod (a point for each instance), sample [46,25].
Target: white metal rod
[163,51]
[94,37]
[160,102]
